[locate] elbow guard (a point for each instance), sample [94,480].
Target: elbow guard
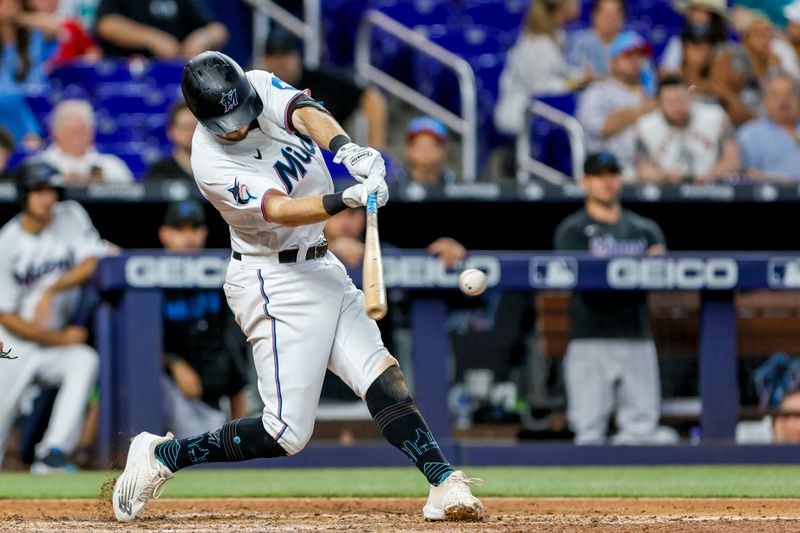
[304,101]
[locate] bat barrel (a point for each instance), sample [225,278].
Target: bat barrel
[374,289]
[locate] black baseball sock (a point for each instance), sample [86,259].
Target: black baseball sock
[396,414]
[238,440]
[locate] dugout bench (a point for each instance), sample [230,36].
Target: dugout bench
[129,340]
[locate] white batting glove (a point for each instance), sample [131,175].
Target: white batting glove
[356,196]
[361,161]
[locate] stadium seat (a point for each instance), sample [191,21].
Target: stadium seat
[414,13]
[163,74]
[88,74]
[118,99]
[505,15]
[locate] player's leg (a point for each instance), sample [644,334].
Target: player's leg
[15,376]
[361,360]
[289,315]
[590,393]
[638,392]
[74,370]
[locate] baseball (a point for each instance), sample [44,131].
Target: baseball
[472,282]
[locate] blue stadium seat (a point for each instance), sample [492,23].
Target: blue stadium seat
[40,105]
[415,12]
[162,74]
[504,15]
[437,82]
[130,98]
[88,74]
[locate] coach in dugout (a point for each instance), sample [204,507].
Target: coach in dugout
[204,350]
[611,364]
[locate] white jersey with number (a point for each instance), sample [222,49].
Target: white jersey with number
[237,177]
[29,264]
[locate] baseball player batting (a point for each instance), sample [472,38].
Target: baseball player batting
[256,156]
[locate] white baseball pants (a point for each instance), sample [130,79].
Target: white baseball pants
[71,368]
[302,318]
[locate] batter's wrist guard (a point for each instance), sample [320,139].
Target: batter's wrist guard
[334,203]
[339,141]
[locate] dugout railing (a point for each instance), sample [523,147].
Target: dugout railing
[129,338]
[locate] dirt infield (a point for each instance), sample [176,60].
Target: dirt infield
[366,514]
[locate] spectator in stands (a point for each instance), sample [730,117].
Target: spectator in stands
[167,29]
[70,36]
[770,146]
[180,130]
[781,428]
[341,95]
[50,251]
[589,49]
[792,12]
[608,109]
[426,152]
[707,17]
[204,350]
[684,141]
[536,65]
[6,151]
[24,54]
[739,73]
[85,11]
[73,152]
[699,51]
[611,364]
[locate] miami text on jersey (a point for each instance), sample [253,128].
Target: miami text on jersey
[293,164]
[35,272]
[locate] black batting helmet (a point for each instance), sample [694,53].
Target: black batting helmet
[35,174]
[218,93]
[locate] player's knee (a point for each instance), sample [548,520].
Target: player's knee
[86,359]
[294,440]
[390,388]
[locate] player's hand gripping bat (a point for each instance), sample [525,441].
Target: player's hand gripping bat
[374,289]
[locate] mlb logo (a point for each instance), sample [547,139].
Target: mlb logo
[553,272]
[784,273]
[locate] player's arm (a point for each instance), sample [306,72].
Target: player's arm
[310,118]
[75,277]
[287,211]
[28,331]
[315,122]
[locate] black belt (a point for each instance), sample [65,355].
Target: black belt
[290,256]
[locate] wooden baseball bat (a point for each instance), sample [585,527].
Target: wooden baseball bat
[374,289]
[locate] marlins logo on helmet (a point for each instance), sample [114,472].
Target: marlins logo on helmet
[229,100]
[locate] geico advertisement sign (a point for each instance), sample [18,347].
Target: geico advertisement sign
[672,273]
[425,271]
[175,272]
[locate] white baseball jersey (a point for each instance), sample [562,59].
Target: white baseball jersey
[690,150]
[237,177]
[29,263]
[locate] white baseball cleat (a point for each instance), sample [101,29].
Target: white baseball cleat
[453,500]
[143,478]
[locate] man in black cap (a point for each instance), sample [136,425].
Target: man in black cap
[341,95]
[611,362]
[204,350]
